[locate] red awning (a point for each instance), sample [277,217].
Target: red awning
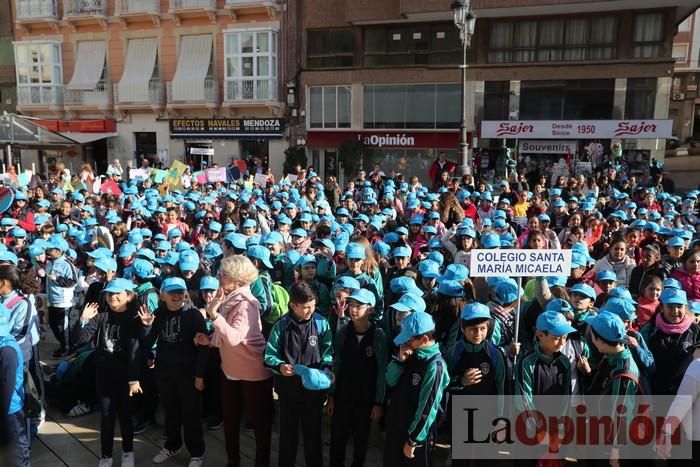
[387,139]
[79,126]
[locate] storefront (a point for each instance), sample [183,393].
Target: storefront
[219,140]
[406,152]
[576,146]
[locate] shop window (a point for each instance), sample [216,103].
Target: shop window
[566,100]
[552,40]
[648,36]
[422,44]
[330,48]
[330,106]
[412,106]
[496,100]
[641,98]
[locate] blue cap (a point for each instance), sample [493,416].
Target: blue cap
[622,308]
[57,242]
[106,264]
[299,232]
[260,253]
[475,310]
[676,242]
[363,296]
[413,325]
[606,275]
[174,233]
[313,379]
[672,284]
[694,307]
[237,240]
[623,293]
[609,326]
[249,224]
[429,269]
[135,237]
[404,284]
[544,218]
[119,285]
[142,269]
[584,289]
[673,296]
[273,238]
[401,252]
[188,261]
[172,284]
[554,323]
[209,283]
[215,226]
[451,288]
[355,251]
[382,248]
[506,292]
[126,250]
[409,302]
[8,256]
[212,250]
[491,240]
[18,232]
[558,281]
[305,259]
[347,282]
[163,245]
[559,305]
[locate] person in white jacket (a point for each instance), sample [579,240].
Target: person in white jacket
[685,412]
[618,261]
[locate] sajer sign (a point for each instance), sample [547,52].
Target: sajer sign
[577,129]
[520,263]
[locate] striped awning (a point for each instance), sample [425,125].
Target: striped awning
[192,66]
[138,70]
[89,65]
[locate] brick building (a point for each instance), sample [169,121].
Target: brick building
[387,73]
[685,98]
[193,80]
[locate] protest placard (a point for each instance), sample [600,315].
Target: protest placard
[217,174]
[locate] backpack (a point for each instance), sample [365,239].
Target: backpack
[492,350]
[143,296]
[277,298]
[23,340]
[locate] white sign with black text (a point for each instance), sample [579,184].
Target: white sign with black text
[577,129]
[520,263]
[547,147]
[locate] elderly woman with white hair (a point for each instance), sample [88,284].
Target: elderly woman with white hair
[235,314]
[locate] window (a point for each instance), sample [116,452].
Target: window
[38,63]
[641,98]
[250,67]
[330,106]
[685,25]
[680,52]
[567,100]
[412,106]
[330,48]
[496,100]
[552,40]
[648,37]
[422,44]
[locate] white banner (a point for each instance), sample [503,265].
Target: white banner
[577,129]
[547,147]
[520,263]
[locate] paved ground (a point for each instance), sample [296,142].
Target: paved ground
[75,442]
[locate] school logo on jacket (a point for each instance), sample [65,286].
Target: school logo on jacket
[313,340]
[485,368]
[415,379]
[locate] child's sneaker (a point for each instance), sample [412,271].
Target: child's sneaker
[164,455]
[196,462]
[105,462]
[128,459]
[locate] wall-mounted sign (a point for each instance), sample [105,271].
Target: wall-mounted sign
[387,139]
[577,129]
[546,147]
[223,128]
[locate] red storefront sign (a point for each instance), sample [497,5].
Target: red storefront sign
[79,126]
[387,139]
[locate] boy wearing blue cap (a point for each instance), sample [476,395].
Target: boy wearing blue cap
[606,280]
[300,337]
[419,377]
[307,267]
[61,279]
[357,396]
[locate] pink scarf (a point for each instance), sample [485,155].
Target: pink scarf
[679,328]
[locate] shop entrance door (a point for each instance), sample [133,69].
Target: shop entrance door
[255,148]
[145,143]
[199,155]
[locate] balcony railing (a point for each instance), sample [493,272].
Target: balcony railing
[192,93]
[192,5]
[40,94]
[251,89]
[249,2]
[37,9]
[152,96]
[84,8]
[128,7]
[100,97]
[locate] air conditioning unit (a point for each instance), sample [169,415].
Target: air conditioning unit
[678,96]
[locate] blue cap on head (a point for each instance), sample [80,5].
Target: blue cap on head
[694,307]
[623,293]
[18,232]
[455,272]
[306,259]
[584,289]
[401,252]
[559,305]
[475,310]
[415,324]
[609,326]
[173,284]
[106,264]
[119,285]
[429,269]
[142,269]
[237,240]
[135,237]
[675,242]
[126,250]
[57,242]
[381,248]
[491,240]
[355,251]
[212,250]
[672,284]
[209,283]
[622,308]
[260,253]
[347,282]
[506,292]
[605,275]
[313,379]
[7,256]
[673,297]
[403,284]
[554,323]
[215,226]
[273,238]
[409,302]
[451,288]
[174,233]
[188,261]
[363,296]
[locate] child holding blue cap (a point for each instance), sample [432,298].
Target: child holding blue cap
[300,337]
[357,396]
[419,377]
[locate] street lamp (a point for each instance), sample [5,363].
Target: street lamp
[465,21]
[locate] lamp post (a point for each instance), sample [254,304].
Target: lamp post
[465,21]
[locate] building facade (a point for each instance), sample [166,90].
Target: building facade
[685,99]
[189,80]
[8,96]
[387,73]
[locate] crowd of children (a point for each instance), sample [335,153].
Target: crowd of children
[206,302]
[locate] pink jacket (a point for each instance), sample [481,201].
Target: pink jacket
[689,282]
[238,335]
